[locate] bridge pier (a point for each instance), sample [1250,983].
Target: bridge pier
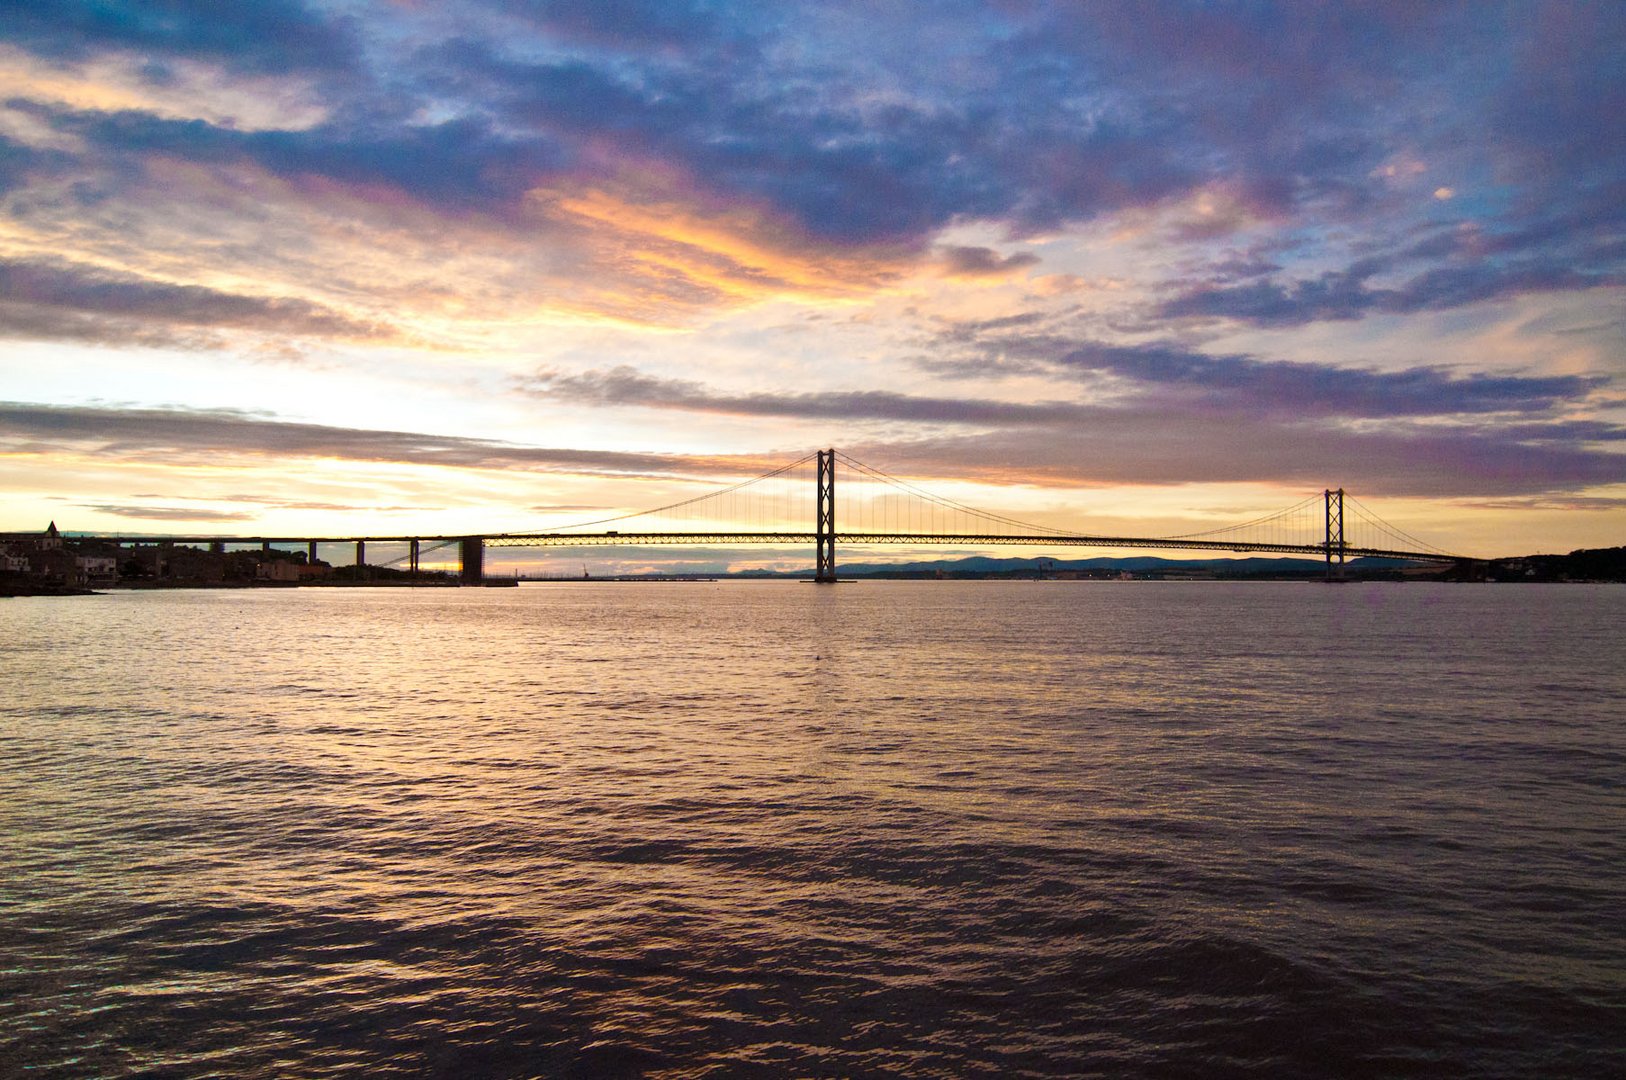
[472,553]
[824,533]
[361,560]
[310,553]
[1334,501]
[413,558]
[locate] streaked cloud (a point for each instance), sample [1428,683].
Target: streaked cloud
[1151,438]
[981,262]
[624,386]
[44,298]
[273,36]
[169,513]
[1403,461]
[1252,386]
[1348,295]
[186,435]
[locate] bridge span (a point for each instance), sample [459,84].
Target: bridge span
[1349,551]
[1278,533]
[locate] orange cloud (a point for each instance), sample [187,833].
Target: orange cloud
[734,256]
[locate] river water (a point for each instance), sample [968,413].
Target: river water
[922,829]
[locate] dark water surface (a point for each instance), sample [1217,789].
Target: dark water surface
[765,829]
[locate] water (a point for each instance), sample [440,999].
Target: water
[764,829]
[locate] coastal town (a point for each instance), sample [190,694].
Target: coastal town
[50,563]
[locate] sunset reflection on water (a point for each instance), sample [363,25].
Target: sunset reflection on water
[909,828]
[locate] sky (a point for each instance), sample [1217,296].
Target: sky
[1125,268]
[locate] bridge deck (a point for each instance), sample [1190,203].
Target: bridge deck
[956,539]
[602,539]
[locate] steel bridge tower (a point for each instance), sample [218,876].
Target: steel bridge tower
[1335,529]
[824,533]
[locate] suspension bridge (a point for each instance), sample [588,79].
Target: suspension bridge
[876,509]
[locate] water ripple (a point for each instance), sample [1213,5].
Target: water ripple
[924,830]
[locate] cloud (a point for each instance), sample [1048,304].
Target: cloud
[1559,108]
[448,219]
[168,513]
[625,386]
[981,262]
[480,164]
[1233,419]
[823,170]
[1342,295]
[458,165]
[1566,503]
[18,161]
[190,435]
[632,26]
[1295,389]
[286,504]
[48,298]
[1150,448]
[822,137]
[1174,374]
[1081,446]
[266,37]
[827,167]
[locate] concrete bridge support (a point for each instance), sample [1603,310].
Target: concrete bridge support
[310,553]
[413,557]
[472,551]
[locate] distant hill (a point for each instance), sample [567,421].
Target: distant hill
[982,564]
[1587,564]
[985,566]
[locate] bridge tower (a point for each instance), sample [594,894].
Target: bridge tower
[472,550]
[1335,529]
[824,533]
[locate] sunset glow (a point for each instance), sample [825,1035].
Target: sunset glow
[293,267]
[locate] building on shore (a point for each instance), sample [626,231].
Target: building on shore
[49,559]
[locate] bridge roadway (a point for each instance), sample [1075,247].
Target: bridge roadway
[962,539]
[920,539]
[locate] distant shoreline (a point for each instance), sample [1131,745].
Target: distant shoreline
[10,592]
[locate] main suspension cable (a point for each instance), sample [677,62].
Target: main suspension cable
[690,502]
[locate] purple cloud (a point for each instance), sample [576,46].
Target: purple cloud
[836,134]
[1243,385]
[457,165]
[1277,419]
[981,262]
[57,299]
[1346,295]
[625,386]
[191,434]
[1151,448]
[662,26]
[265,37]
[1150,445]
[1290,389]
